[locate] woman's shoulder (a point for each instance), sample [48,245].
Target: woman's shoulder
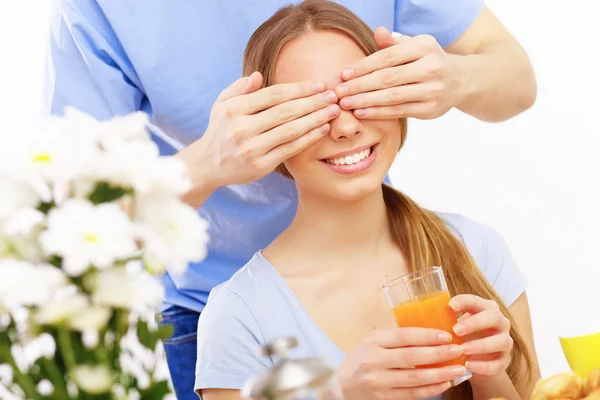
[230,333]
[474,234]
[492,254]
[243,282]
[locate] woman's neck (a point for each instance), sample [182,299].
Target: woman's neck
[339,227]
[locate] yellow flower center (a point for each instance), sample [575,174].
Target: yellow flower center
[42,158]
[90,238]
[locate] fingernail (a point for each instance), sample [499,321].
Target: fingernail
[458,329]
[347,101]
[360,113]
[347,73]
[248,82]
[333,110]
[324,129]
[453,305]
[341,90]
[467,348]
[330,97]
[458,369]
[445,337]
[318,86]
[468,365]
[455,350]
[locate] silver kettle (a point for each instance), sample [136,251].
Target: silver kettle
[302,379]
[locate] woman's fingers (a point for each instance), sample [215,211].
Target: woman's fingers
[489,345]
[412,378]
[489,367]
[471,304]
[405,337]
[409,357]
[489,319]
[422,392]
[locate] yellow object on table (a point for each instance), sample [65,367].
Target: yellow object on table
[568,386]
[582,352]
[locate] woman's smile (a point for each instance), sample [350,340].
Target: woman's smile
[352,161]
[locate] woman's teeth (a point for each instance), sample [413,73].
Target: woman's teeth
[350,159]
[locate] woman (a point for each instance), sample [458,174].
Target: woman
[320,280]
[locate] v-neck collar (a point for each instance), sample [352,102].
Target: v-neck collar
[337,354]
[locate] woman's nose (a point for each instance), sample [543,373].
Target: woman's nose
[345,126]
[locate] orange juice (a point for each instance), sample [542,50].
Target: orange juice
[430,311]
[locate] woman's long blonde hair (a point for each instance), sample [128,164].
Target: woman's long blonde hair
[421,234]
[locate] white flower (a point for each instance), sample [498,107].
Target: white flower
[115,132]
[42,346]
[138,165]
[117,288]
[90,339]
[16,196]
[58,150]
[93,379]
[26,247]
[84,234]
[45,388]
[21,240]
[24,221]
[23,283]
[172,232]
[131,365]
[92,318]
[59,310]
[6,374]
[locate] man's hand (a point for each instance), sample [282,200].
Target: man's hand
[252,130]
[407,77]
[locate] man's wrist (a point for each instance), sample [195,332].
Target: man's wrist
[464,69]
[203,179]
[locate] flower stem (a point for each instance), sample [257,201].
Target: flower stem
[121,325]
[66,348]
[58,381]
[23,380]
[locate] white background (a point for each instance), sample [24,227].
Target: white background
[534,178]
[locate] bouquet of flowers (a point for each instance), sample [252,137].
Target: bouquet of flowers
[90,218]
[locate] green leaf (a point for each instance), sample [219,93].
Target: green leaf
[45,207]
[165,331]
[105,192]
[147,339]
[55,260]
[157,391]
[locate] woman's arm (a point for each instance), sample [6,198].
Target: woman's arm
[219,394]
[501,386]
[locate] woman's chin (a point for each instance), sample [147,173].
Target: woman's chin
[354,190]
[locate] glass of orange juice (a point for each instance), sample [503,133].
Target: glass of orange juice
[420,299]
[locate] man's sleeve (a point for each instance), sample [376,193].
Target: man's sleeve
[87,67]
[445,20]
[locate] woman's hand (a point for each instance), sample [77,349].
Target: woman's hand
[382,367]
[486,335]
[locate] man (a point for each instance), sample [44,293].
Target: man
[177,60]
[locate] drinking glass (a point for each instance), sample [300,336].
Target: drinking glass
[420,299]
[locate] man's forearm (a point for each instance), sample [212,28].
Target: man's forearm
[497,82]
[500,387]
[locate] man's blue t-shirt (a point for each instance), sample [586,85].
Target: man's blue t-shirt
[171,59]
